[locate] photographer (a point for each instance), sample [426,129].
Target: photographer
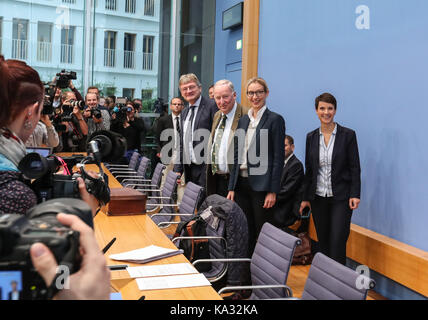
[71,125]
[128,125]
[21,103]
[96,119]
[44,134]
[58,98]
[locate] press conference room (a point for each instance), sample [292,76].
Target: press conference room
[303,179]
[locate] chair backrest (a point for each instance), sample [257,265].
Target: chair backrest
[189,202]
[157,175]
[330,280]
[134,161]
[169,190]
[271,261]
[142,168]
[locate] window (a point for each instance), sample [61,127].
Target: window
[128,93]
[146,94]
[67,44]
[111,5]
[20,39]
[44,42]
[129,51]
[149,8]
[110,49]
[69,1]
[130,6]
[148,52]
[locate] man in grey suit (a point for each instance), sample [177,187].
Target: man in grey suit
[220,155]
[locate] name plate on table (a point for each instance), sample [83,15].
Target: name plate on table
[126,201]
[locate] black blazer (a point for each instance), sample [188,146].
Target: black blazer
[286,209]
[204,120]
[163,123]
[270,180]
[345,168]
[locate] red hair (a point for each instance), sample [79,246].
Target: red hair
[20,86]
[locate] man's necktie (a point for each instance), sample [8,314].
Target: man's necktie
[177,125]
[217,143]
[192,115]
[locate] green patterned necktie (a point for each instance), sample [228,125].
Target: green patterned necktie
[216,145]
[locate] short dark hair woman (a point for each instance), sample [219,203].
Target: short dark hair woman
[332,179]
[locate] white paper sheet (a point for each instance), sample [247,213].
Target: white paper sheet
[146,254]
[161,270]
[172,282]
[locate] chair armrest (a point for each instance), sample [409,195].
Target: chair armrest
[123,171]
[130,178]
[288,290]
[116,166]
[147,190]
[158,198]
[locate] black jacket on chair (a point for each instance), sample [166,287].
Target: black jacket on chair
[286,209]
[270,180]
[345,168]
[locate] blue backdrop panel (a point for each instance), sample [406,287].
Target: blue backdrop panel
[379,77]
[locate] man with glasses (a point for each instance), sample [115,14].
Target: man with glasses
[225,122]
[171,121]
[196,123]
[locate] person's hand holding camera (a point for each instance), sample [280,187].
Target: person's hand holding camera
[45,119]
[92,281]
[86,196]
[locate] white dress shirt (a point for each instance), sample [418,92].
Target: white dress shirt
[176,137]
[324,187]
[254,122]
[223,167]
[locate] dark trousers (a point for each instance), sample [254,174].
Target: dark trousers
[251,202]
[196,173]
[221,184]
[332,219]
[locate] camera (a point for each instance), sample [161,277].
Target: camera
[160,106]
[49,88]
[96,113]
[19,232]
[47,184]
[74,103]
[63,78]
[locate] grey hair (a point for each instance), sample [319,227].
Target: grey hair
[225,83]
[190,77]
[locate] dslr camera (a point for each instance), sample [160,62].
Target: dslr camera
[96,113]
[18,233]
[63,78]
[47,184]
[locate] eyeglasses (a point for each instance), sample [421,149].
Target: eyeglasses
[257,93]
[189,88]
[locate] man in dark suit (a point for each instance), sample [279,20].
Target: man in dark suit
[171,122]
[286,209]
[196,122]
[15,294]
[220,155]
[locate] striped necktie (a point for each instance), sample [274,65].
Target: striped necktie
[216,145]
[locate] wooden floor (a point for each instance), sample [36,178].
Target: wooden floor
[297,278]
